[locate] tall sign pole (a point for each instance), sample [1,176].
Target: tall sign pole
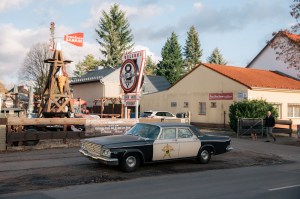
[131,79]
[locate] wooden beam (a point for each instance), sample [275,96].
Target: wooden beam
[45,121]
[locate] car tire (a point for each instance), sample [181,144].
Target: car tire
[130,162]
[204,156]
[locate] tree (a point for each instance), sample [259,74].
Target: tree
[192,49]
[115,37]
[171,64]
[150,67]
[216,58]
[295,13]
[34,69]
[288,49]
[89,63]
[249,109]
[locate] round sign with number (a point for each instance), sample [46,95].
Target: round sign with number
[128,76]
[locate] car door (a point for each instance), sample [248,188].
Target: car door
[165,146]
[189,144]
[169,115]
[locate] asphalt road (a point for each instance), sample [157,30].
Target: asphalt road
[280,181]
[272,181]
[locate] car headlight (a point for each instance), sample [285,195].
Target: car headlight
[106,152]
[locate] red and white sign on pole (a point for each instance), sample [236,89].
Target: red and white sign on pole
[132,71]
[131,77]
[75,38]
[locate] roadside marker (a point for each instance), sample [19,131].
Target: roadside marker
[288,187]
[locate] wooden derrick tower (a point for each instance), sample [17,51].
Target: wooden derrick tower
[56,98]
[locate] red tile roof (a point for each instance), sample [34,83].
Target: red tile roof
[255,78]
[292,37]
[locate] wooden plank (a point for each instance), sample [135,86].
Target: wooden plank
[45,121]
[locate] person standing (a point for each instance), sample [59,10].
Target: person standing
[269,124]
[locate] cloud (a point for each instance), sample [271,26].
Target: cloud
[197,6]
[154,57]
[233,18]
[6,5]
[16,43]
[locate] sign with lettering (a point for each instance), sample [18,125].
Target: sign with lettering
[132,71]
[75,39]
[220,96]
[103,127]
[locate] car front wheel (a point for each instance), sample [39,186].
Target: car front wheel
[204,156]
[130,162]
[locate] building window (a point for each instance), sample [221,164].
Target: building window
[293,110]
[278,107]
[185,104]
[173,104]
[213,105]
[202,108]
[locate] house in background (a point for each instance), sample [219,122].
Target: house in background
[209,89]
[105,83]
[267,58]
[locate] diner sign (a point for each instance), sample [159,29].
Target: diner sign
[220,96]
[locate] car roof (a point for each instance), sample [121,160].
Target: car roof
[167,124]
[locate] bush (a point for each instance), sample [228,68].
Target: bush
[249,109]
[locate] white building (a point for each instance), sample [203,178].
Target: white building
[267,58]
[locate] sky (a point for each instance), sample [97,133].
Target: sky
[239,28]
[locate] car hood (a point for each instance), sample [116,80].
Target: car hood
[116,140]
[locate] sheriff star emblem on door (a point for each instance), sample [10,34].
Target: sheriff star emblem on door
[167,151]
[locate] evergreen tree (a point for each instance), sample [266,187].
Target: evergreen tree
[115,37]
[216,58]
[171,64]
[150,67]
[192,50]
[89,63]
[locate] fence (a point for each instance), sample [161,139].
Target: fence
[16,131]
[248,126]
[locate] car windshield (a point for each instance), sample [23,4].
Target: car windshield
[147,131]
[146,114]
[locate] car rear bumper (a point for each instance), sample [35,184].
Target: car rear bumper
[101,159]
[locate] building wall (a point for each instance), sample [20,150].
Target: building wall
[281,98]
[195,88]
[267,61]
[88,92]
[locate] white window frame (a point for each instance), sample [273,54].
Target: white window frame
[201,112]
[293,111]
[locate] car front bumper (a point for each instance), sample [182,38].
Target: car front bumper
[229,148]
[101,159]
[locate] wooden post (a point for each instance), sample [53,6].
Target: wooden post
[2,138]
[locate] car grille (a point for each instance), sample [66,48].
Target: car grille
[91,147]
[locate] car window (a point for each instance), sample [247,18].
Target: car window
[169,133]
[184,133]
[160,114]
[144,130]
[146,114]
[168,114]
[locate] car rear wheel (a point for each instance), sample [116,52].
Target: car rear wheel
[204,156]
[130,162]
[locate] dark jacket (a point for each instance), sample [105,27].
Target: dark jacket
[269,121]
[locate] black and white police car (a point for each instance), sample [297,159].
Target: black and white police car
[152,142]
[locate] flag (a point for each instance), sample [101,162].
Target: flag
[75,38]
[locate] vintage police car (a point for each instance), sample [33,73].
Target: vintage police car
[151,142]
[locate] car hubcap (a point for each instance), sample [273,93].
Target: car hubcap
[204,154]
[131,161]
